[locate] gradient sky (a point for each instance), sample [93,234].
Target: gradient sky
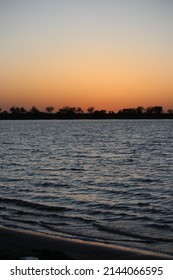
[110,54]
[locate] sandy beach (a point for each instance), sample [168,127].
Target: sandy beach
[16,245]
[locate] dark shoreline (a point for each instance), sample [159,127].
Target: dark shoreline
[18,245]
[107,117]
[77,113]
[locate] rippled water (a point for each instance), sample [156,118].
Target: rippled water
[106,180]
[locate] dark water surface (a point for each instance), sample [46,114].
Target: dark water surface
[102,180]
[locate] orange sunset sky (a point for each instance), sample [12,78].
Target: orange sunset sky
[109,54]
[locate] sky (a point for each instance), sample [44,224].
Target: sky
[109,54]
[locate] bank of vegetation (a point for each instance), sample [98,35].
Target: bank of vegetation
[155,112]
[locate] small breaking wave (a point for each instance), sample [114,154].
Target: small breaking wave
[33,205]
[123,232]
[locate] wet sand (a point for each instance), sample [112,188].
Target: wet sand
[16,245]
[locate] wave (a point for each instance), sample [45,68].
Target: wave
[30,222]
[50,184]
[139,236]
[10,180]
[161,226]
[33,205]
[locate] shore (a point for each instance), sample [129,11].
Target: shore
[17,245]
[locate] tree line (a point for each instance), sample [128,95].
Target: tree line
[67,112]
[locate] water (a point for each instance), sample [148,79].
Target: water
[102,180]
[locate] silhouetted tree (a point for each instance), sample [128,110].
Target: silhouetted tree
[34,110]
[119,112]
[100,113]
[129,112]
[155,110]
[49,109]
[23,110]
[158,109]
[17,110]
[79,110]
[139,110]
[170,111]
[13,109]
[67,110]
[90,110]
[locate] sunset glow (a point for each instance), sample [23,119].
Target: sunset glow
[107,54]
